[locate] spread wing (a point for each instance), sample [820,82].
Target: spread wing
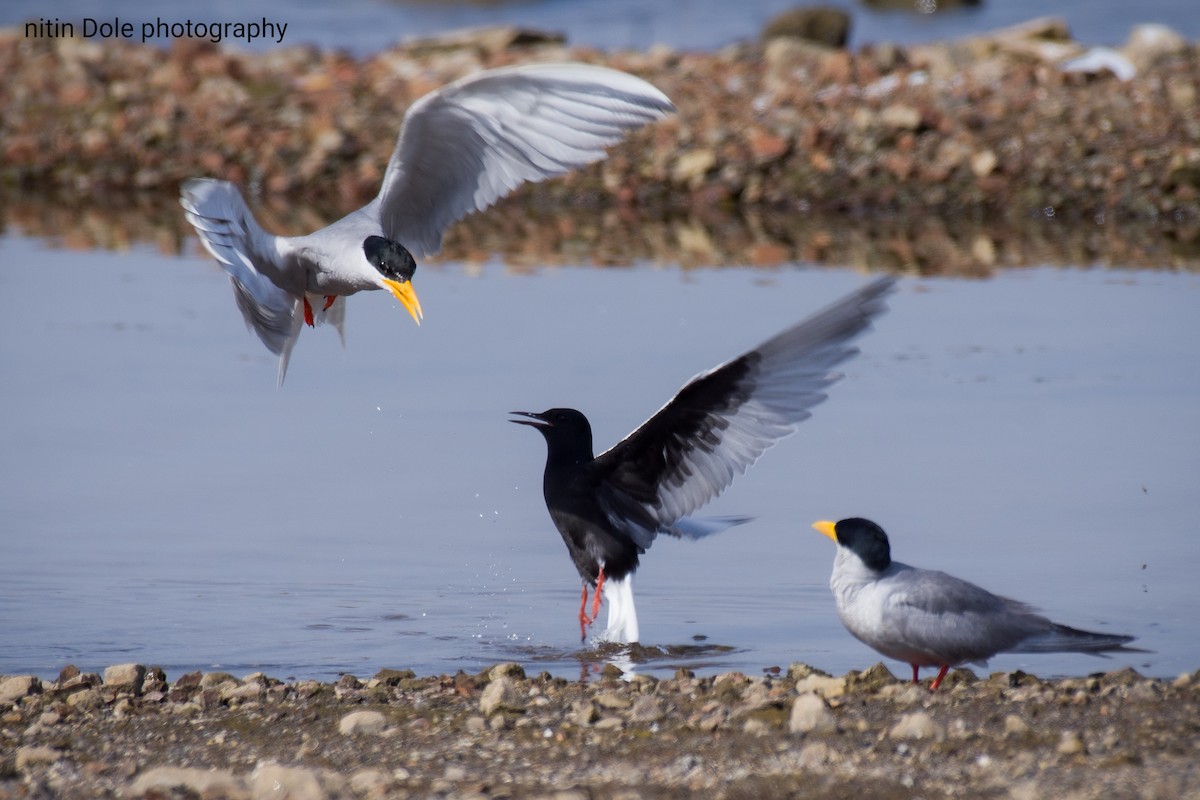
[250,256]
[466,145]
[722,420]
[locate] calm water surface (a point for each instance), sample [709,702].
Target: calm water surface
[163,502]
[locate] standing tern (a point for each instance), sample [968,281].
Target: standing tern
[460,148]
[609,508]
[930,619]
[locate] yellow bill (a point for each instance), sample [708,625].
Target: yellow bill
[826,527]
[407,296]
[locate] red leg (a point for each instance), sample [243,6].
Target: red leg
[938,680]
[584,619]
[329,298]
[308,314]
[597,599]
[915,669]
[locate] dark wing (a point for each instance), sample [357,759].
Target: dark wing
[722,420]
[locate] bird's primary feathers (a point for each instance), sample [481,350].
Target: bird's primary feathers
[460,148]
[610,508]
[928,618]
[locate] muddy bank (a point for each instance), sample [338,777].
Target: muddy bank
[501,733]
[946,153]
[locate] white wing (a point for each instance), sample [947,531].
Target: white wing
[249,255]
[466,145]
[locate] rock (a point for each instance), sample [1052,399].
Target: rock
[612,700]
[646,709]
[126,677]
[14,688]
[161,781]
[1015,726]
[507,670]
[824,685]
[900,117]
[825,25]
[294,783]
[692,166]
[1070,743]
[983,163]
[36,754]
[367,722]
[500,695]
[370,781]
[917,725]
[476,724]
[1150,42]
[240,692]
[810,714]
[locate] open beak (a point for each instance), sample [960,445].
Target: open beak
[407,296]
[539,424]
[828,528]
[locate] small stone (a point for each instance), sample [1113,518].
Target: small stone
[507,670]
[984,163]
[901,117]
[500,695]
[612,700]
[823,685]
[1015,726]
[476,724]
[1070,743]
[36,754]
[18,686]
[127,677]
[294,783]
[370,781]
[203,782]
[242,693]
[609,724]
[756,727]
[367,722]
[810,714]
[691,167]
[646,709]
[917,725]
[825,25]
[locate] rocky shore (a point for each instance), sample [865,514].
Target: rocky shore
[131,733]
[949,157]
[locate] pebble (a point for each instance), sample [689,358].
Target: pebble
[501,694]
[294,783]
[126,677]
[810,714]
[917,725]
[365,722]
[159,781]
[18,686]
[1070,743]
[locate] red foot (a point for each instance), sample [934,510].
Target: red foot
[329,298]
[308,314]
[938,680]
[597,599]
[915,670]
[584,619]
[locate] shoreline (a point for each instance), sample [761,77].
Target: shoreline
[503,733]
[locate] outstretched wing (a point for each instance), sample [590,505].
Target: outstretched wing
[251,258]
[466,145]
[722,420]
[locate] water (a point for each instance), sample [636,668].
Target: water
[162,502]
[365,26]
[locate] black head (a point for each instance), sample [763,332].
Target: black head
[391,258]
[566,430]
[861,537]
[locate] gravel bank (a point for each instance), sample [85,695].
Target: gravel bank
[502,734]
[795,140]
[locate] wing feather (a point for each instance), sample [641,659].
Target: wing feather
[722,420]
[466,145]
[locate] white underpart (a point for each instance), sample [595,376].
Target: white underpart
[622,616]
